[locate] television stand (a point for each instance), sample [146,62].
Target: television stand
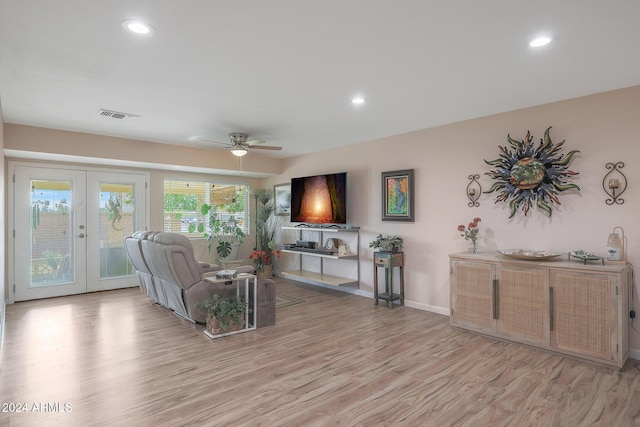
[313,263]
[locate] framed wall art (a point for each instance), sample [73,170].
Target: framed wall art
[397,195]
[282,198]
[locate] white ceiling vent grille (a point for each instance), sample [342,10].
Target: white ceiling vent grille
[117,115]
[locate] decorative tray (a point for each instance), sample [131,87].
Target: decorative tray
[585,256]
[529,255]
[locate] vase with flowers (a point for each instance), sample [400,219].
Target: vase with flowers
[471,232]
[263,261]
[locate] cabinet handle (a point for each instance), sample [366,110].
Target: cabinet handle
[495,299]
[551,308]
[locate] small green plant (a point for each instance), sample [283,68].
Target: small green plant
[229,311]
[387,243]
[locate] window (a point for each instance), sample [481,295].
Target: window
[182,201]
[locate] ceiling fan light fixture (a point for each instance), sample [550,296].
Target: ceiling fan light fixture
[239,152]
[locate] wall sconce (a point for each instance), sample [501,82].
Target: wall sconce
[473,190]
[614,183]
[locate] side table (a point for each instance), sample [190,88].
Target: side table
[236,282]
[388,260]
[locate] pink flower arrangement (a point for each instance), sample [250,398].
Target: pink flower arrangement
[471,231]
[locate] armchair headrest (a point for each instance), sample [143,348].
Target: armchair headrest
[172,239]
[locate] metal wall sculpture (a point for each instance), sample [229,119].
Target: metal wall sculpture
[526,175]
[614,183]
[473,190]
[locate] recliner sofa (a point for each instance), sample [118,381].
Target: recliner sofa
[171,276]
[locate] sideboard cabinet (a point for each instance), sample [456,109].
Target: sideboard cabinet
[557,305]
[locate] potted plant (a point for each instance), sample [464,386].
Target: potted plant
[223,225]
[268,224]
[387,243]
[224,313]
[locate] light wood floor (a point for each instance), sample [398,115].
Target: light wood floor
[335,360]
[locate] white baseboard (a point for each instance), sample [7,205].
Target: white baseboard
[412,304]
[634,353]
[426,307]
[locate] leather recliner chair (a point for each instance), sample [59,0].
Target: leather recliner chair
[177,277]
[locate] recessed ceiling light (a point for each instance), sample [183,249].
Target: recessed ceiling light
[138,27]
[358,100]
[540,41]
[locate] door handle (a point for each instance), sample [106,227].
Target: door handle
[81,235]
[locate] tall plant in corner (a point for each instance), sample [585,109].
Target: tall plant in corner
[267,229]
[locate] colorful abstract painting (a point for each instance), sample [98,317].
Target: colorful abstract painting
[397,195]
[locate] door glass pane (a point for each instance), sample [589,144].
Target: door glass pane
[52,240]
[117,219]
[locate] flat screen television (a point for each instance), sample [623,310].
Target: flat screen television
[319,199]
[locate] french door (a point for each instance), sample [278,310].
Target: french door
[68,227]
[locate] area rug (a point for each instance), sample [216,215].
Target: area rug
[286,301]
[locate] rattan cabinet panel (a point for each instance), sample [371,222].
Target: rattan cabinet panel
[584,308]
[523,305]
[472,296]
[562,306]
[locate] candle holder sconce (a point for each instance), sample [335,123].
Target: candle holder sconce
[614,183]
[473,190]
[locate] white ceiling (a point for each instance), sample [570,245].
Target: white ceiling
[286,70]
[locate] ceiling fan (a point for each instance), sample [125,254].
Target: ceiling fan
[240,144]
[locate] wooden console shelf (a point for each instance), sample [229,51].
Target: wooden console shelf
[561,306]
[318,278]
[352,238]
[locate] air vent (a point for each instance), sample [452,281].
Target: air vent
[117,114]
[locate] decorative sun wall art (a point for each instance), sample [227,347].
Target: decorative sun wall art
[526,174]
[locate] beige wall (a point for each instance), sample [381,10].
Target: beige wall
[604,127]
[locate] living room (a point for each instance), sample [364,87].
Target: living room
[602,125]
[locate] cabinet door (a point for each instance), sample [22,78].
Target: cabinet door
[472,296]
[584,314]
[523,305]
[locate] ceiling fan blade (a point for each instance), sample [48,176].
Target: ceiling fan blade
[226,144]
[255,142]
[265,147]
